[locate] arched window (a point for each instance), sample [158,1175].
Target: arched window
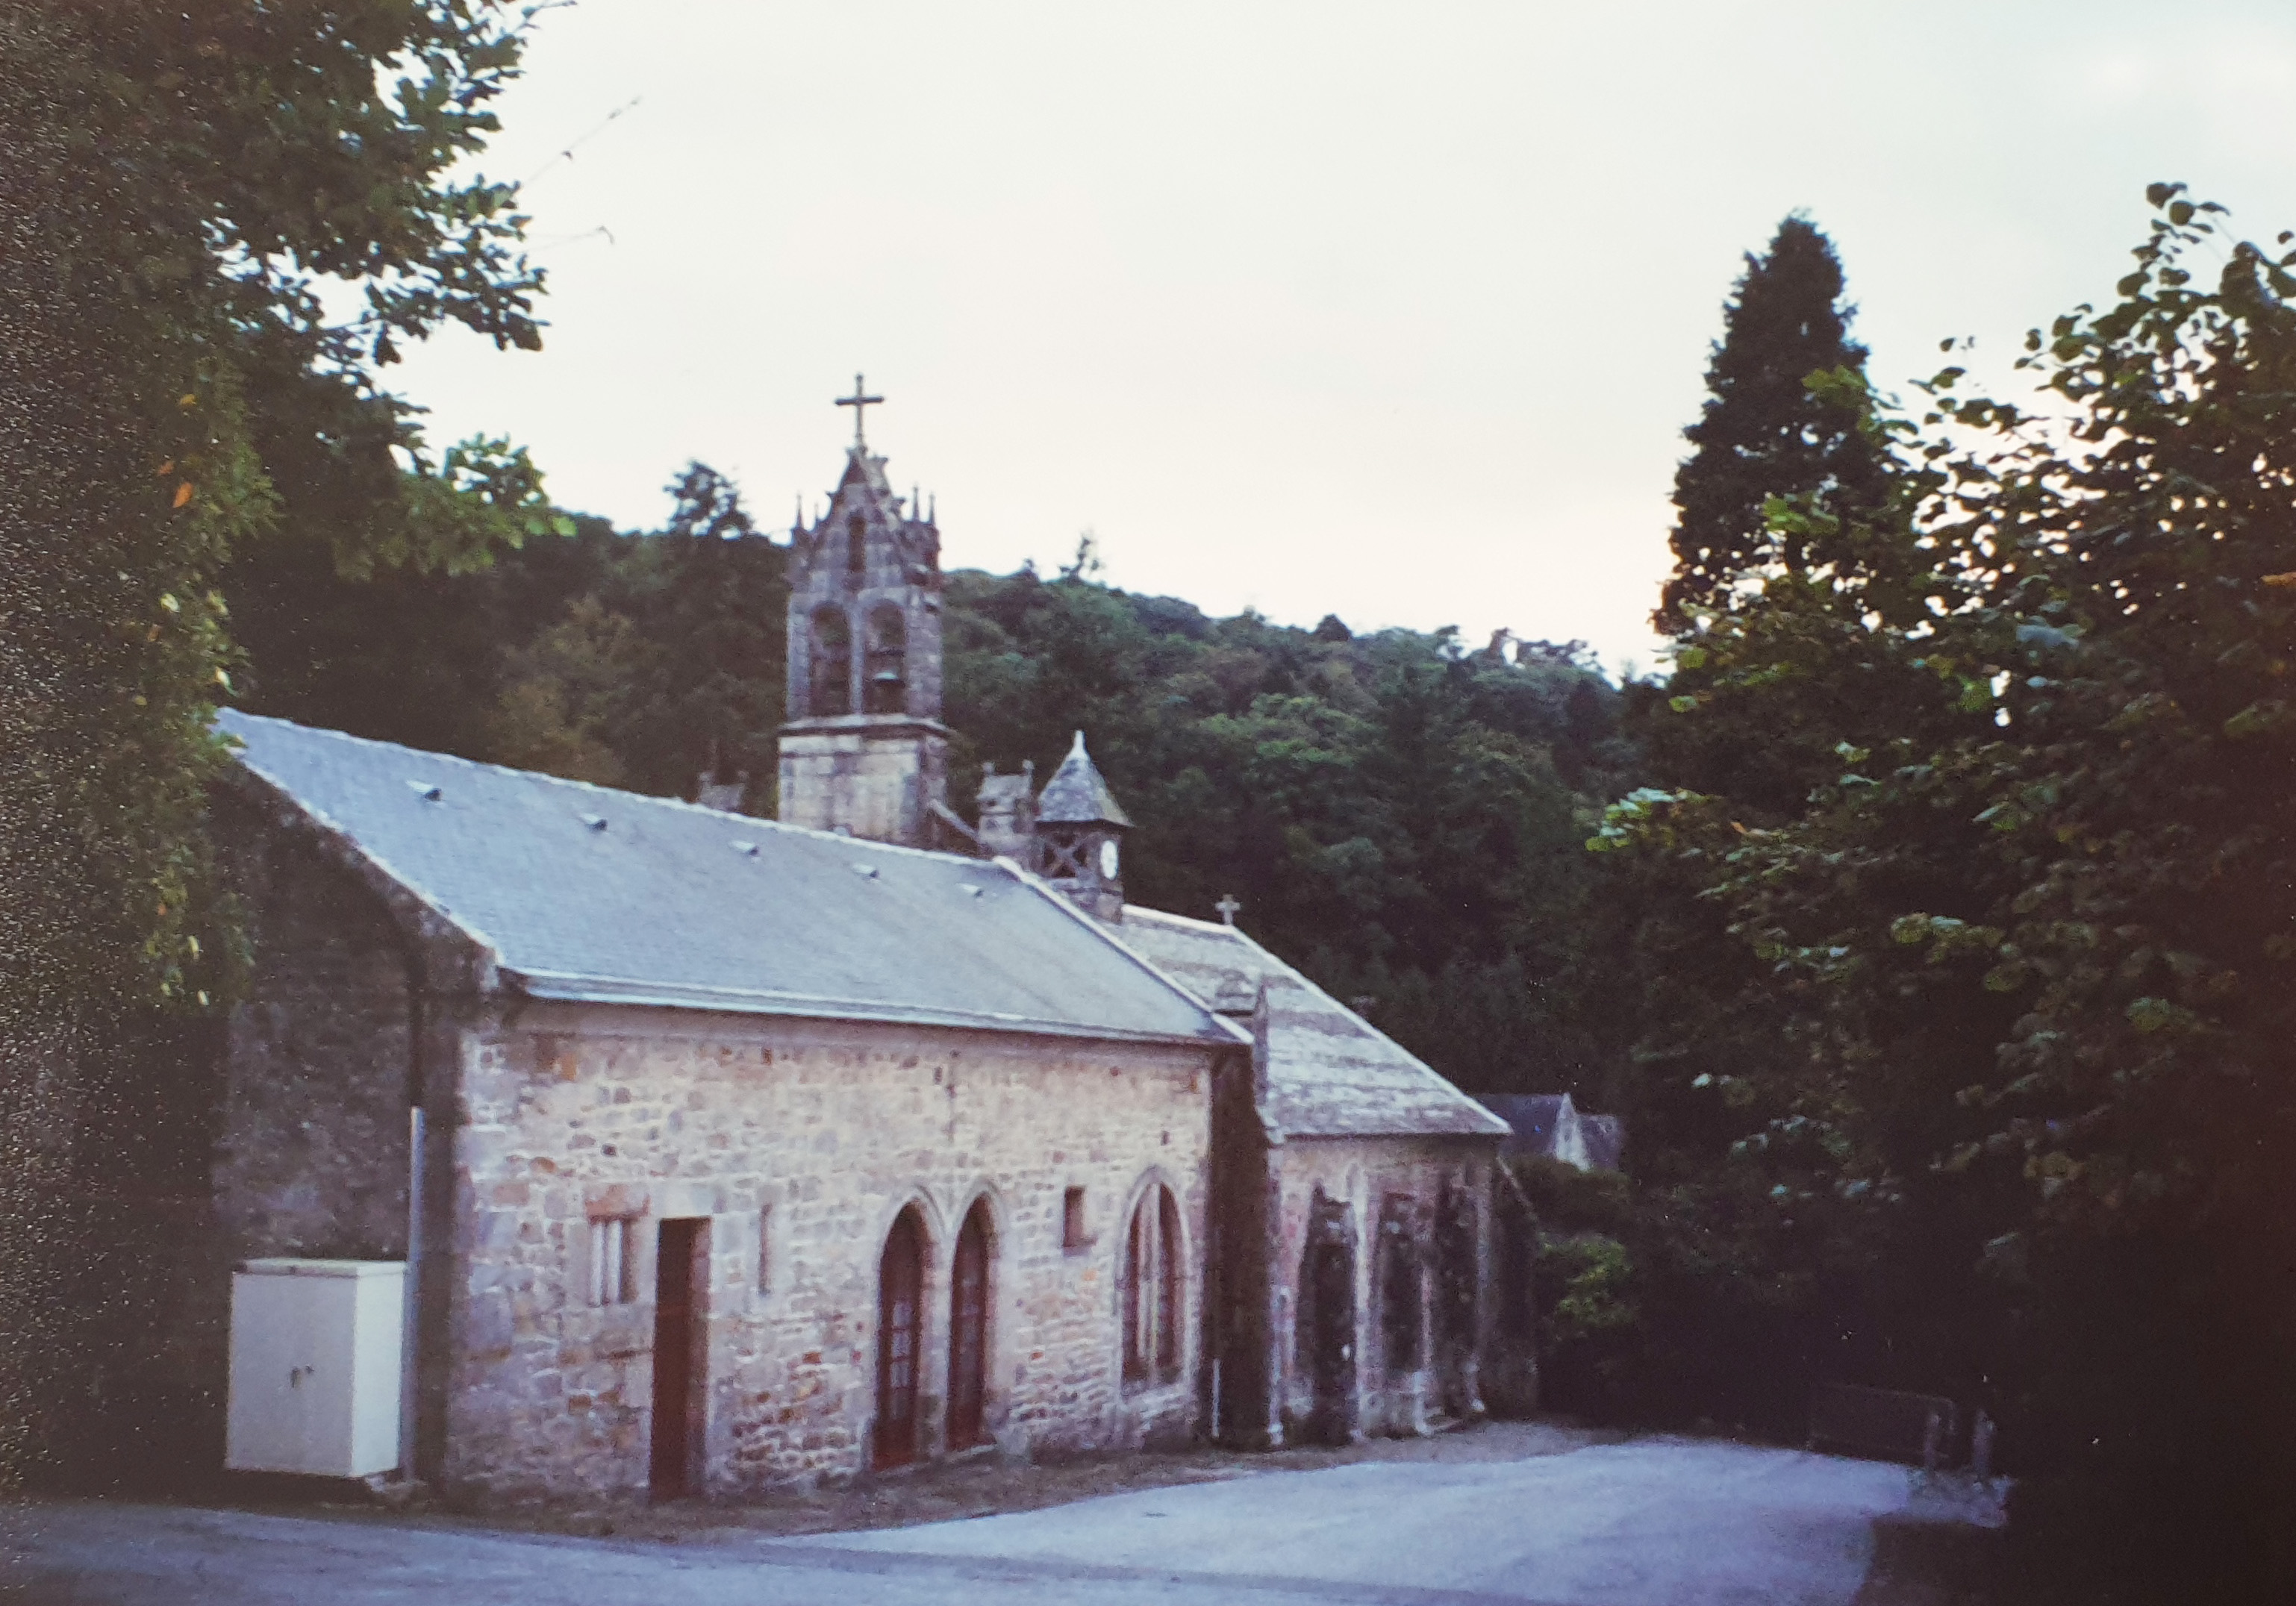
[856,545]
[1458,1294]
[1398,1294]
[901,1329]
[829,674]
[1154,1290]
[1326,1333]
[885,685]
[967,1332]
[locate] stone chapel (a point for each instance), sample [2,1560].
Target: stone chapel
[726,1153]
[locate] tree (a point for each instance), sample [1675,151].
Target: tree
[1401,819]
[1764,432]
[710,596]
[176,188]
[1744,1296]
[562,694]
[2031,937]
[401,654]
[219,170]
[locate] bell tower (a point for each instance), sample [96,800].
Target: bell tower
[865,750]
[1079,832]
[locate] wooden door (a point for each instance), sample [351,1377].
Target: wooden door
[967,1332]
[900,1293]
[680,1357]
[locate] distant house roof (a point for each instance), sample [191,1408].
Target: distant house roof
[1076,795]
[1329,1072]
[1550,1124]
[584,893]
[1537,1120]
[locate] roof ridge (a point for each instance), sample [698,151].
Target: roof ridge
[1037,883]
[1299,978]
[593,787]
[1131,910]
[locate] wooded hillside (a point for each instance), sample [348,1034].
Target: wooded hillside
[1400,815]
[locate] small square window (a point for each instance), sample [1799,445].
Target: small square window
[613,1264]
[1072,1233]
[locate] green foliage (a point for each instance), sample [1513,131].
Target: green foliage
[403,655]
[1696,1295]
[1588,1313]
[564,695]
[485,496]
[629,660]
[223,165]
[709,596]
[1401,816]
[1782,420]
[2022,941]
[179,186]
[1568,1199]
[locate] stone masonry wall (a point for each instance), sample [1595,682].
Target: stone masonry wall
[284,1131]
[875,777]
[800,1142]
[1397,1395]
[311,1155]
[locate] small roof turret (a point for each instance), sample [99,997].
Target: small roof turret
[1076,795]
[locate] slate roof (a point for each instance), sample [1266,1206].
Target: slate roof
[1078,795]
[1533,1119]
[1330,1073]
[581,892]
[1551,1124]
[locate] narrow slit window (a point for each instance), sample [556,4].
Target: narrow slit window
[613,1270]
[1073,1234]
[765,1249]
[1399,1296]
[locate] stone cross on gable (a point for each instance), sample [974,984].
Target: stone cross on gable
[1227,908]
[860,401]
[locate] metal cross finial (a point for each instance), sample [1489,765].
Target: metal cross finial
[860,401]
[1227,908]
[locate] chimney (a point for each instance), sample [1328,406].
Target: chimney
[1008,814]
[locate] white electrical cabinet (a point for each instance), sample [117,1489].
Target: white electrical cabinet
[316,1353]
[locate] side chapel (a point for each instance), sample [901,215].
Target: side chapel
[726,1154]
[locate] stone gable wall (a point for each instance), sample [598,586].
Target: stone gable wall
[1362,1176]
[313,1151]
[801,1142]
[282,1130]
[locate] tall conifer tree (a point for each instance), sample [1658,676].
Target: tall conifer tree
[1764,432]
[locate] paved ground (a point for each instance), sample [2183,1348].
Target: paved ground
[1650,1522]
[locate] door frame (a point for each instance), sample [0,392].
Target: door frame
[681,1357]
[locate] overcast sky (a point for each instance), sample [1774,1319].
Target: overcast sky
[1392,311]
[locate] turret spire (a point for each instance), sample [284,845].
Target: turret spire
[1080,826]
